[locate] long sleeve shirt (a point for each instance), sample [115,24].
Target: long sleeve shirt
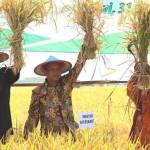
[141,120]
[7,78]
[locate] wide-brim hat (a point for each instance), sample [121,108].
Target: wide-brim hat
[3,56]
[41,69]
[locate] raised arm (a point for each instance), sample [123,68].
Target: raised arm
[33,117]
[10,75]
[75,71]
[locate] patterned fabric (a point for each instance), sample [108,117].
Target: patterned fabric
[141,120]
[53,105]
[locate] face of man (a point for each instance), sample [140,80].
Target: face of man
[53,72]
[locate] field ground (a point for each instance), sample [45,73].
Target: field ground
[113,119]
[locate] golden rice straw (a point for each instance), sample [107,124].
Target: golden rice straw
[138,20]
[19,14]
[88,15]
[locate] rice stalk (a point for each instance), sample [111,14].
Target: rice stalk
[19,14]
[137,21]
[87,14]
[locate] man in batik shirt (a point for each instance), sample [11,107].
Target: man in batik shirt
[51,102]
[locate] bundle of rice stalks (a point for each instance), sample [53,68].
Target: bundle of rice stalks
[88,15]
[19,14]
[137,20]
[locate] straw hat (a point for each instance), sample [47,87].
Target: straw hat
[41,69]
[3,56]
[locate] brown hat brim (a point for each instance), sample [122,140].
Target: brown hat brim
[3,56]
[41,68]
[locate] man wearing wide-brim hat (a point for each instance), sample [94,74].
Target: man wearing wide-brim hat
[7,78]
[51,102]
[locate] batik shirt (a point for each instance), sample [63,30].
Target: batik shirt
[141,120]
[53,105]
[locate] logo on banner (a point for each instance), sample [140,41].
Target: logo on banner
[111,7]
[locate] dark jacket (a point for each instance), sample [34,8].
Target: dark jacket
[7,78]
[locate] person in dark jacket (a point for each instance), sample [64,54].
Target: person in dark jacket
[7,78]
